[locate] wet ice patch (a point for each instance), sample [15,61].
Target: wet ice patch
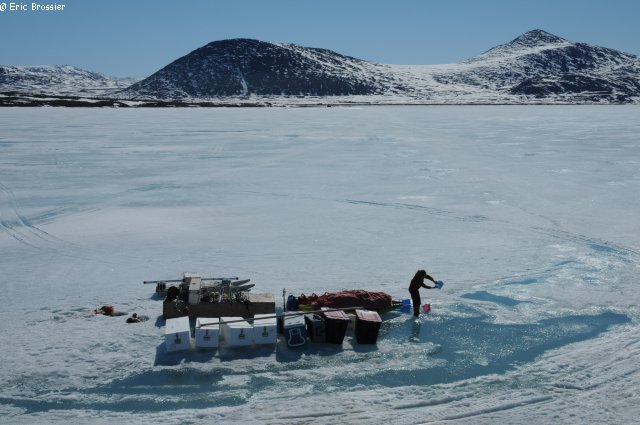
[438,349]
[487,296]
[464,340]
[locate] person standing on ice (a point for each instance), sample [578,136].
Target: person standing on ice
[414,289]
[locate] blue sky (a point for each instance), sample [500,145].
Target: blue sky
[137,37]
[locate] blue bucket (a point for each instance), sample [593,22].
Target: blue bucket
[406,306]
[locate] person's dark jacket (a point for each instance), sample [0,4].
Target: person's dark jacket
[418,281]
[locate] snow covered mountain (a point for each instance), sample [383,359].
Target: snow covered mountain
[541,65]
[243,67]
[59,80]
[536,67]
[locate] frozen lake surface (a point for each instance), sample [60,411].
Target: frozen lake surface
[529,214]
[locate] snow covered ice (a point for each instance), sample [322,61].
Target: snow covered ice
[529,214]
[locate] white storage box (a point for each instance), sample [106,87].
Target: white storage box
[177,334]
[207,336]
[236,331]
[294,330]
[188,276]
[265,329]
[195,284]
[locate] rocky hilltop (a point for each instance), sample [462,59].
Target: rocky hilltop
[59,80]
[243,67]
